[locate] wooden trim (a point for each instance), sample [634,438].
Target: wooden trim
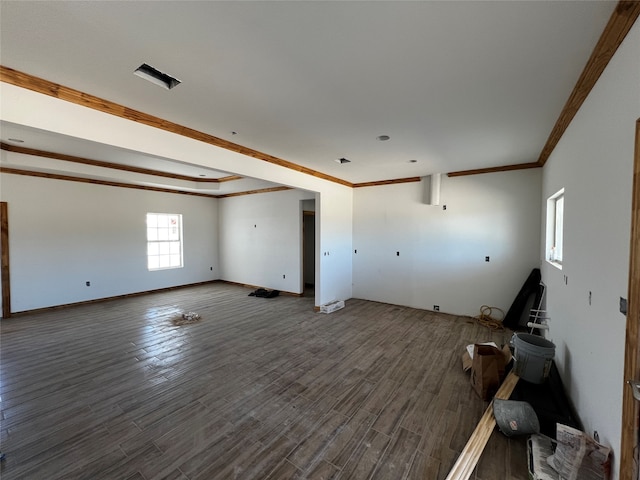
[70,178]
[252,192]
[30,82]
[137,294]
[630,409]
[386,182]
[504,168]
[620,22]
[229,178]
[4,260]
[55,176]
[115,297]
[114,166]
[468,459]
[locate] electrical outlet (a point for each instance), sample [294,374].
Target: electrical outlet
[283,276]
[486,259]
[444,207]
[211,268]
[436,308]
[397,254]
[88,284]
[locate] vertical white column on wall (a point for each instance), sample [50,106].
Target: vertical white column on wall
[319,251]
[334,235]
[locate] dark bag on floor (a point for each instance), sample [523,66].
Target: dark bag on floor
[263,293]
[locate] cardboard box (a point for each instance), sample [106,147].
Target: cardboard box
[488,364]
[467,356]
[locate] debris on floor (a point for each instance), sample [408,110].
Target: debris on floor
[579,457]
[491,317]
[575,456]
[488,365]
[264,293]
[332,306]
[470,455]
[539,448]
[186,318]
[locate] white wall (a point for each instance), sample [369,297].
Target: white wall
[261,239]
[63,234]
[333,277]
[334,243]
[593,162]
[442,252]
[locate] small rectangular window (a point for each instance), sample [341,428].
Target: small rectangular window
[164,241]
[555,227]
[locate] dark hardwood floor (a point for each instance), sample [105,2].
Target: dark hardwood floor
[258,389]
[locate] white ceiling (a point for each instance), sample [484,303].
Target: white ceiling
[456,85]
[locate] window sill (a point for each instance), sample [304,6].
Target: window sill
[555,264]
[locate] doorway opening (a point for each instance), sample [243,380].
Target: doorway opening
[308,247]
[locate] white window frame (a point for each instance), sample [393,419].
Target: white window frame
[164,241]
[554,250]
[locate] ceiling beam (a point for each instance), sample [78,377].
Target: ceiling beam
[94,181]
[40,85]
[252,192]
[622,19]
[386,182]
[114,166]
[503,168]
[620,22]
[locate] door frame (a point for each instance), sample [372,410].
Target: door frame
[4,260]
[630,406]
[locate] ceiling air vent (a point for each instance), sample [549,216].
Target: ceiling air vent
[156,76]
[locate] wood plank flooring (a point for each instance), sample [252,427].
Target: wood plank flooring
[258,389]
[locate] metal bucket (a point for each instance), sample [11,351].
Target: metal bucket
[515,418]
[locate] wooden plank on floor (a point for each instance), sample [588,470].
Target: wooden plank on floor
[468,459]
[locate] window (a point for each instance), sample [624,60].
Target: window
[555,220]
[164,241]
